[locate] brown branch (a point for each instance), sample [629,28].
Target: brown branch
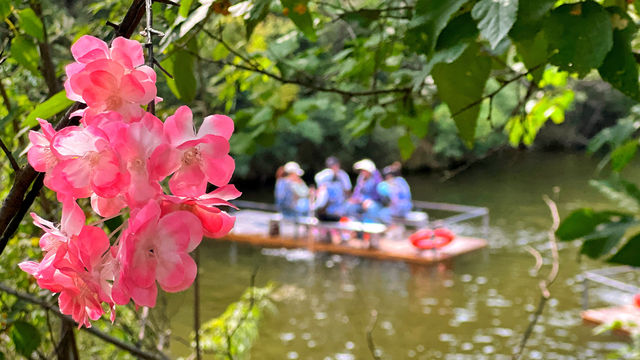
[48,68]
[308,84]
[544,284]
[12,160]
[104,336]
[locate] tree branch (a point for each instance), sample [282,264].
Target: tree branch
[12,160]
[104,336]
[48,68]
[308,84]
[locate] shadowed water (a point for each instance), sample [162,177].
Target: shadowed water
[474,307]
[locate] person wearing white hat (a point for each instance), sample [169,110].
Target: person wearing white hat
[292,194]
[365,201]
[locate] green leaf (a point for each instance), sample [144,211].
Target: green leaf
[495,18]
[583,222]
[621,156]
[628,253]
[406,146]
[472,70]
[185,6]
[183,85]
[5,9]
[25,52]
[364,17]
[534,53]
[258,12]
[220,52]
[429,19]
[113,223]
[26,338]
[619,67]
[52,106]
[580,36]
[528,23]
[298,12]
[31,24]
[606,236]
[614,135]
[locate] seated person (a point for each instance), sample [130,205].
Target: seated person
[395,193]
[364,204]
[333,186]
[291,193]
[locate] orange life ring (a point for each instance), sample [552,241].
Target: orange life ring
[426,239]
[636,300]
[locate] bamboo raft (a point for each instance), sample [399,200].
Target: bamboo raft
[252,227]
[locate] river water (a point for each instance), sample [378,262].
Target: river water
[475,307]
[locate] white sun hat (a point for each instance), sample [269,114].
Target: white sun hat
[292,167]
[366,165]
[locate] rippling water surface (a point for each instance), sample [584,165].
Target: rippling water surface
[474,307]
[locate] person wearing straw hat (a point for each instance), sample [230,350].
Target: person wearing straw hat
[364,204]
[292,194]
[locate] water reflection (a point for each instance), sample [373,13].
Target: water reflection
[474,307]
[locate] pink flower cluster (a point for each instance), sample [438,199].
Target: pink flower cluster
[118,157]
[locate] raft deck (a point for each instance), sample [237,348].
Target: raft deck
[627,315]
[621,278]
[252,227]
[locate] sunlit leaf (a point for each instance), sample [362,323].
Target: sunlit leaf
[472,70]
[580,36]
[185,6]
[31,24]
[495,18]
[534,54]
[5,9]
[52,106]
[530,14]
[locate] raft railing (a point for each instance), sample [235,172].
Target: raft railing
[604,277]
[464,212]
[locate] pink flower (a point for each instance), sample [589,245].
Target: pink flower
[203,157]
[87,164]
[39,154]
[215,222]
[112,79]
[146,156]
[155,248]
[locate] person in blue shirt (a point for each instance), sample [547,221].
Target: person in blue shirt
[364,204]
[395,193]
[333,186]
[291,193]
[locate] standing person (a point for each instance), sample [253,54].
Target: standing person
[292,194]
[333,188]
[395,194]
[364,204]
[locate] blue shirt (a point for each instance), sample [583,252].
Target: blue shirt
[398,193]
[367,188]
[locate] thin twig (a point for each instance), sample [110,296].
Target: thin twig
[12,160]
[370,343]
[536,254]
[245,316]
[196,305]
[149,32]
[545,295]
